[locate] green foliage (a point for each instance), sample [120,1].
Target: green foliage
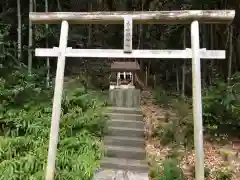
[99,74]
[207,172]
[224,174]
[221,105]
[17,88]
[25,117]
[221,112]
[171,171]
[162,97]
[154,171]
[178,129]
[167,133]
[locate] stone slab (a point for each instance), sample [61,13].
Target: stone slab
[110,174]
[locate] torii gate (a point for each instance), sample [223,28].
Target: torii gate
[192,17]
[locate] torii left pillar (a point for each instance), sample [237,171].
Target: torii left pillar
[56,110]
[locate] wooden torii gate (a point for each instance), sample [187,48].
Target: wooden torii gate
[192,17]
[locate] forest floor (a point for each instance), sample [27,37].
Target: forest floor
[217,157]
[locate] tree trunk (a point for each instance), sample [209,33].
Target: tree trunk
[48,62]
[146,76]
[89,29]
[177,79]
[140,27]
[139,44]
[238,49]
[204,62]
[154,80]
[212,60]
[30,40]
[35,6]
[59,6]
[184,64]
[19,31]
[230,54]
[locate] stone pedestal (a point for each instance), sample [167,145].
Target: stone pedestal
[124,97]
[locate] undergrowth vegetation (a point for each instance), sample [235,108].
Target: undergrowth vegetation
[221,112]
[25,117]
[221,106]
[178,129]
[169,171]
[221,116]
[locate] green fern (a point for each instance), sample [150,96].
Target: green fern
[25,126]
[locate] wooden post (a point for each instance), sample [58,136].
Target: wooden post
[56,110]
[197,102]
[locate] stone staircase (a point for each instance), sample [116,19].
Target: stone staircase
[125,157]
[125,144]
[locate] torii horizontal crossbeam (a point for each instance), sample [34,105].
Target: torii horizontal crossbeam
[117,53]
[138,17]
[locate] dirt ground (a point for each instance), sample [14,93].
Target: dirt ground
[216,157]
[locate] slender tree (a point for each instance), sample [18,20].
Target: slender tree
[30,39]
[48,63]
[19,30]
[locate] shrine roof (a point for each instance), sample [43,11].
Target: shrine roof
[125,66]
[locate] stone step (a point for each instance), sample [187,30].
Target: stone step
[125,152]
[126,123]
[126,132]
[124,141]
[125,110]
[122,116]
[119,174]
[124,164]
